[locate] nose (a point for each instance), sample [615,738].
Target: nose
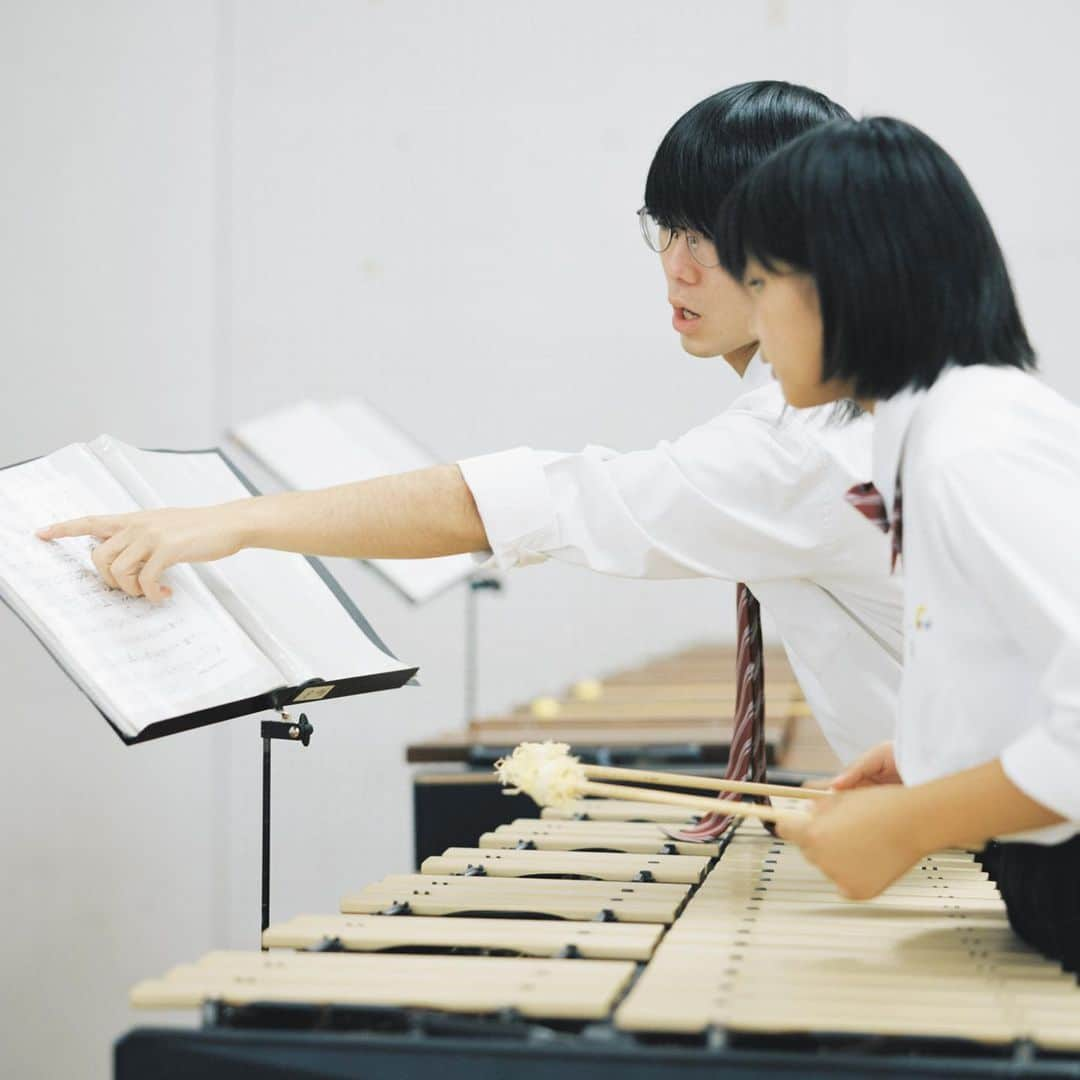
[678,263]
[754,322]
[754,325]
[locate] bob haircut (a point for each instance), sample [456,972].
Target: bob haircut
[909,274]
[712,146]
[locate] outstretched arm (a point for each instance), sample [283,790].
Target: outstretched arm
[412,515]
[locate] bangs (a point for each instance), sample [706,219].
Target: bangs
[689,175]
[721,139]
[761,220]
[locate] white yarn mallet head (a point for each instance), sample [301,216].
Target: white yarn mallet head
[546,772]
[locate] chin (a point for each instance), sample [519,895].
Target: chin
[699,348]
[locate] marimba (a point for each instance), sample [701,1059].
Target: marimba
[588,943]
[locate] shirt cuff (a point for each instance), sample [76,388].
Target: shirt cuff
[1044,767]
[514,500]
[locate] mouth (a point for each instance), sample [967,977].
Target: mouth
[683,318]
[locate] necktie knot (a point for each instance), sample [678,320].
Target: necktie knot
[868,501]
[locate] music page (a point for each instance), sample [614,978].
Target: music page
[138,661]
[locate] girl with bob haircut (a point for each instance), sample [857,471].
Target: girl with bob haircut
[875,276]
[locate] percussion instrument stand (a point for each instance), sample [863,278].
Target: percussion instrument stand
[284,728]
[472,650]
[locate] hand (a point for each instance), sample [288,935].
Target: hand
[862,840]
[137,548]
[876,766]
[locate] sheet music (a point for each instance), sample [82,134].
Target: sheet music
[314,445]
[277,597]
[141,662]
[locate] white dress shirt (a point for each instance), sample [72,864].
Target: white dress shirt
[991,512]
[755,495]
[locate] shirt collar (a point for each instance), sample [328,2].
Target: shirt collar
[892,419]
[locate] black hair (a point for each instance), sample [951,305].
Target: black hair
[909,274]
[719,140]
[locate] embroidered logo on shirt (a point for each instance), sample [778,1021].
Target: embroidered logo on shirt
[922,618]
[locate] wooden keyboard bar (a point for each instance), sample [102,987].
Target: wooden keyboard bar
[710,741]
[575,900]
[527,937]
[651,710]
[681,869]
[549,834]
[712,692]
[616,810]
[550,989]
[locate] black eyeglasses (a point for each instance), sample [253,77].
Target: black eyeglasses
[661,237]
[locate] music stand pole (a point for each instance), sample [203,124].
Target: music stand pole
[284,728]
[472,640]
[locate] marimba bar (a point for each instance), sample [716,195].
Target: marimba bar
[603,866]
[603,810]
[471,984]
[551,834]
[520,937]
[420,894]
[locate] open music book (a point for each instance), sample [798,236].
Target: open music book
[260,630]
[316,444]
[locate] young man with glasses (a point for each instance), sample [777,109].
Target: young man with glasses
[754,496]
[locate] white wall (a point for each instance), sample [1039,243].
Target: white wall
[209,208]
[106,310]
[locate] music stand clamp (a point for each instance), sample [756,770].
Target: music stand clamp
[298,732]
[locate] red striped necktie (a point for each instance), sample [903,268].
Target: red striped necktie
[746,758]
[868,501]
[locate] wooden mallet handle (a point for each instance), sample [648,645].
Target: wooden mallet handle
[691,802]
[704,783]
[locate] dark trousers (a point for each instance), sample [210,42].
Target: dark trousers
[1040,885]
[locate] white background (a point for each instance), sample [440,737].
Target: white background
[211,207]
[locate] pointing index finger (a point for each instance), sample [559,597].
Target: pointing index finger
[100,527]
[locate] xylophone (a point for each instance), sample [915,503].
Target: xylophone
[588,943]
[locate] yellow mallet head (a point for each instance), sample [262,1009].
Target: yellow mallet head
[545,771]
